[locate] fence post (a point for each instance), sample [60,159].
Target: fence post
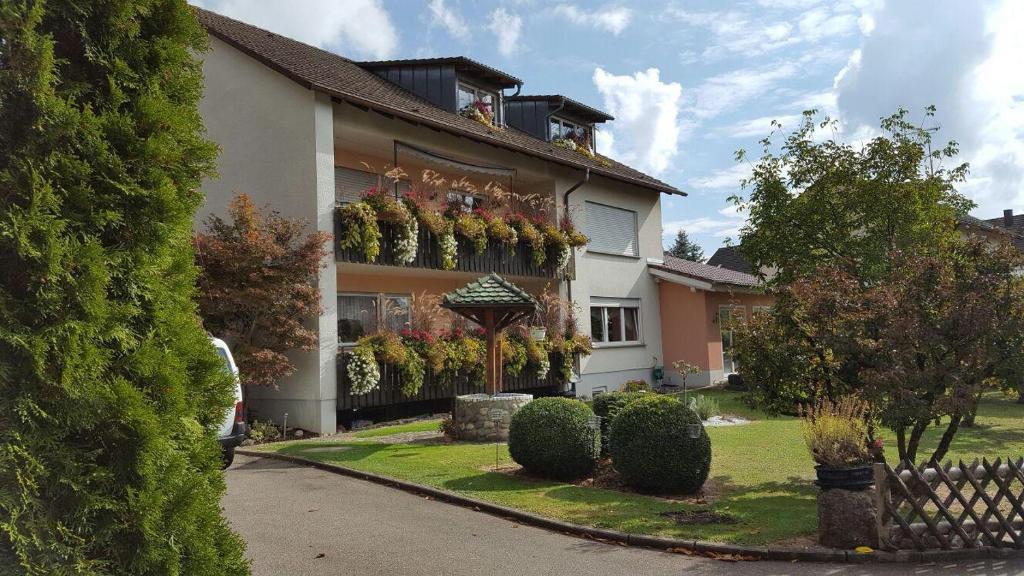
[882,496]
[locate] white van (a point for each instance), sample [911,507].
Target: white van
[233,429]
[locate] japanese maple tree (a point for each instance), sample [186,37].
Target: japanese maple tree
[258,287]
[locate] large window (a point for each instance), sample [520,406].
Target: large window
[611,230]
[468,94]
[615,321]
[578,133]
[360,314]
[727,316]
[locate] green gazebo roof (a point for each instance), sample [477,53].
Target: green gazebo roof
[490,291]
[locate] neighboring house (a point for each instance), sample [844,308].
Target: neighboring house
[730,258]
[305,129]
[1009,228]
[695,298]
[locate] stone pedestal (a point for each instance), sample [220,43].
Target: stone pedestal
[472,415]
[847,518]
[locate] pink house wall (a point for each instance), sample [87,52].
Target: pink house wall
[689,326]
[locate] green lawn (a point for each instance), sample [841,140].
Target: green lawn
[418,426]
[761,472]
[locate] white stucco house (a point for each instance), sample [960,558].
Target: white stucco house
[305,129]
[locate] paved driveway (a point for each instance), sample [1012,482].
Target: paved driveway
[300,521]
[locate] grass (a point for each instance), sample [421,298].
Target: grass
[417,426]
[760,471]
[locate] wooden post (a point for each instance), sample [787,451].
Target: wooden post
[499,372]
[491,382]
[882,505]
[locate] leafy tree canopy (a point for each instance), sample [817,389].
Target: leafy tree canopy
[109,387]
[685,249]
[257,287]
[820,202]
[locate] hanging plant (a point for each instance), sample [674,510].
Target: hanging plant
[513,353]
[474,229]
[562,256]
[360,230]
[533,237]
[398,212]
[433,221]
[573,236]
[479,111]
[408,241]
[449,248]
[498,229]
[362,370]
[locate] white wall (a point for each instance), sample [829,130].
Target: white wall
[276,142]
[608,276]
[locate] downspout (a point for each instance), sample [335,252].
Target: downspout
[565,210]
[519,88]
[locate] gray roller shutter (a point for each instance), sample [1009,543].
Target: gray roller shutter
[611,230]
[350,184]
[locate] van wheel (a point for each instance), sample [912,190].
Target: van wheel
[228,456]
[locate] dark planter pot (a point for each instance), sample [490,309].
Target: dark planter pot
[854,478]
[735,382]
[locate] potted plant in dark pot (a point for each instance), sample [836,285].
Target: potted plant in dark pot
[836,433]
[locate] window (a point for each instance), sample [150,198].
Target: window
[726,316]
[351,184]
[572,131]
[362,314]
[611,230]
[615,322]
[469,94]
[756,311]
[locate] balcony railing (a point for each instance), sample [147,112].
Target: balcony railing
[496,258]
[389,391]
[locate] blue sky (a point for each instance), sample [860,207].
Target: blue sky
[690,82]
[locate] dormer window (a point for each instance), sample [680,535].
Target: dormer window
[478,104]
[580,135]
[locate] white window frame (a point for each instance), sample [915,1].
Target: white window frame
[636,231]
[616,305]
[731,309]
[381,298]
[496,105]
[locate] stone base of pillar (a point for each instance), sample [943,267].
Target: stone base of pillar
[847,518]
[473,419]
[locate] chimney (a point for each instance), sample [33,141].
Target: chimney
[1008,218]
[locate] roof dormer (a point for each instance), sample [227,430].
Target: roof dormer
[457,84]
[555,118]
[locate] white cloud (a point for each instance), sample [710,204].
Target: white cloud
[360,26]
[717,227]
[735,31]
[612,19]
[449,19]
[507,27]
[646,129]
[727,91]
[760,127]
[726,178]
[966,60]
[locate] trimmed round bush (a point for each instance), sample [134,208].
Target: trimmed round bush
[652,450]
[552,438]
[607,406]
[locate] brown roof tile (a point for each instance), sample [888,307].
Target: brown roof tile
[345,80]
[707,273]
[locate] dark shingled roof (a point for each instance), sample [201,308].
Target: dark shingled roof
[491,290]
[571,106]
[706,272]
[347,81]
[480,69]
[1015,234]
[730,258]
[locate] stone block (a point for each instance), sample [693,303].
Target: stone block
[847,519]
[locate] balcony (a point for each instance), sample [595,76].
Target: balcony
[496,258]
[389,391]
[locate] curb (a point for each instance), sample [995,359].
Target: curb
[691,547]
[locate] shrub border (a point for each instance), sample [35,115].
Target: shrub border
[690,547]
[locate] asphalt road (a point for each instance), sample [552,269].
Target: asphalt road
[300,521]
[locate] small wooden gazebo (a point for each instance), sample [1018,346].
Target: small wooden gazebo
[495,304]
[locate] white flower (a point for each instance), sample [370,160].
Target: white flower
[449,247]
[363,372]
[562,261]
[544,365]
[408,242]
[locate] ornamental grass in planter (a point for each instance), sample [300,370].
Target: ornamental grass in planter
[836,433]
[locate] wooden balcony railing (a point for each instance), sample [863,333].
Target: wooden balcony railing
[496,258]
[389,391]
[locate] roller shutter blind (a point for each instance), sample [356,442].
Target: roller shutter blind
[350,184]
[611,230]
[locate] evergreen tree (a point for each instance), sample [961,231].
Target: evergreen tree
[109,388]
[685,249]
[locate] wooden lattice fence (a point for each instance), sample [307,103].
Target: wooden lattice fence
[963,506]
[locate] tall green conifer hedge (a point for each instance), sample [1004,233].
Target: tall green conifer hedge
[108,385]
